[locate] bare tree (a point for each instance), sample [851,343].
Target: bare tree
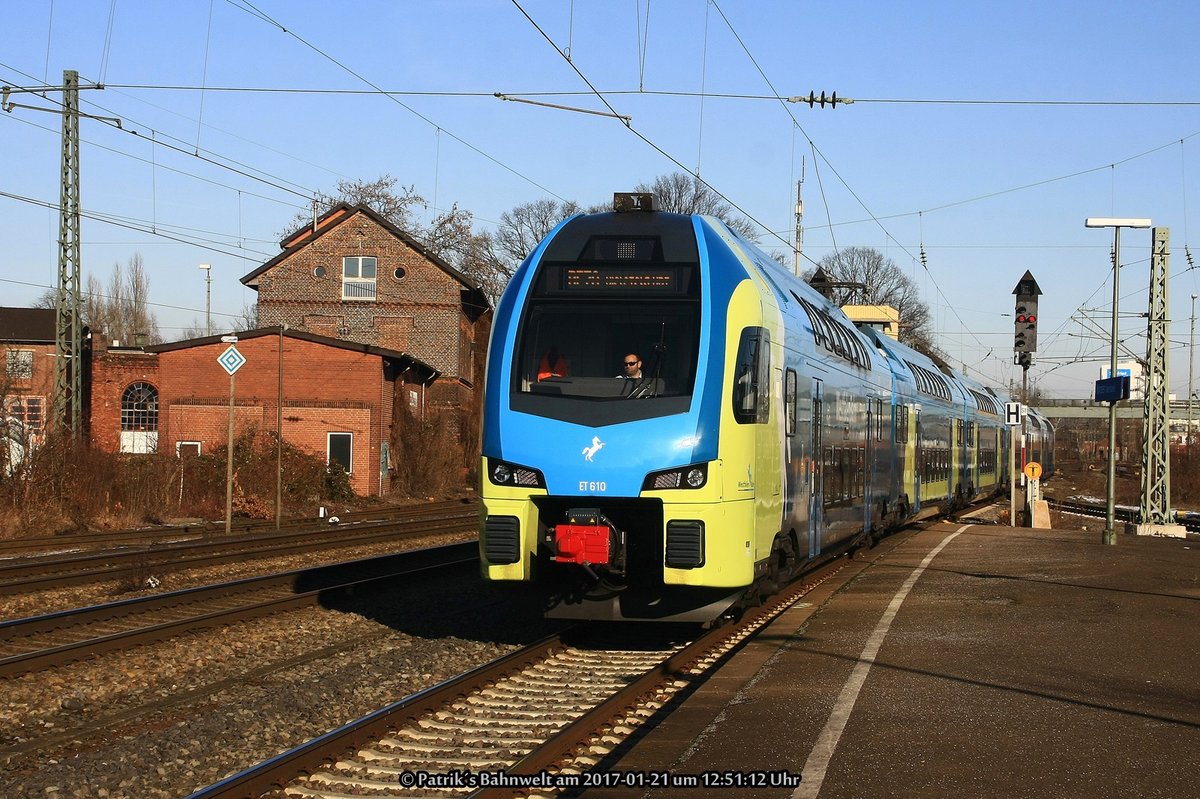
[396,205]
[522,228]
[880,282]
[121,310]
[452,238]
[684,193]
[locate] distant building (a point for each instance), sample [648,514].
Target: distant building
[362,325]
[27,337]
[355,276]
[883,318]
[341,399]
[1136,374]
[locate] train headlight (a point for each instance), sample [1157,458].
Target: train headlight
[503,473]
[684,477]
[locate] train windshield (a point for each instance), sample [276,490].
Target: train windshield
[611,327]
[602,359]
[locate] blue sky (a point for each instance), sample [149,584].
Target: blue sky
[1093,110]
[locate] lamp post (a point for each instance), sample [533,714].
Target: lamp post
[207,298]
[1116,223]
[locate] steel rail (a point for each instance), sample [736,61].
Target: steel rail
[281,769]
[315,584]
[31,576]
[156,534]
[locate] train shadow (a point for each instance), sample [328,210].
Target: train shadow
[435,603]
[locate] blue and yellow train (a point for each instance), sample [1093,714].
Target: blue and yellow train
[673,422]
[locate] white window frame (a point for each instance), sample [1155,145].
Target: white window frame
[354,285]
[18,364]
[179,445]
[329,449]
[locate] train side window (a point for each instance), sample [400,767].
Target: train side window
[901,435]
[789,400]
[751,381]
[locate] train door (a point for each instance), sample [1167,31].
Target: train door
[868,467]
[816,515]
[918,458]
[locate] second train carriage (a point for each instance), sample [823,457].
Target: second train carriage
[764,428]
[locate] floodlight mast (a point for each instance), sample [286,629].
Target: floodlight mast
[1116,223]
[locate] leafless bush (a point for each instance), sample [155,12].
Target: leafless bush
[65,485]
[429,457]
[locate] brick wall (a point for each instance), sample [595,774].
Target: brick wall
[417,314]
[33,394]
[326,389]
[112,372]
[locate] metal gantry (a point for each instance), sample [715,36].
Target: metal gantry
[1156,455]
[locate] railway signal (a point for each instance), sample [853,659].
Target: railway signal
[1026,314]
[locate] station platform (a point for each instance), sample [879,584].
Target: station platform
[964,660]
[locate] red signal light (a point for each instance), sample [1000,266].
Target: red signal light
[1022,318]
[1031,319]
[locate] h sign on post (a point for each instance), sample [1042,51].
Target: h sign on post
[1012,413]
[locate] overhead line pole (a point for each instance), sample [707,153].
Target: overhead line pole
[68,333]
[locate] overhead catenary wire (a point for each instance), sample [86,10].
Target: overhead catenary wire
[248,7]
[649,93]
[645,139]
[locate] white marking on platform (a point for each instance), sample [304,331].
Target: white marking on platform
[818,760]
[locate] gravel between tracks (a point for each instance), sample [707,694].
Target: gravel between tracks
[236,696]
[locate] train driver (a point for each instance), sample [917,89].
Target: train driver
[633,367]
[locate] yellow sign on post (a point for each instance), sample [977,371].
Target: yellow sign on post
[1033,470]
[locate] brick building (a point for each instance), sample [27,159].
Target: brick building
[355,276]
[27,337]
[339,398]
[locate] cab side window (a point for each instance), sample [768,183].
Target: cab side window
[751,377]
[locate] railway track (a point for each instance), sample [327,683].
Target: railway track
[38,573]
[54,639]
[1121,513]
[159,534]
[549,712]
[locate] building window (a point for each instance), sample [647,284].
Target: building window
[139,419]
[139,407]
[30,412]
[358,277]
[19,364]
[187,449]
[341,451]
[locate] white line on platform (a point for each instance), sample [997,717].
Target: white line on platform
[813,775]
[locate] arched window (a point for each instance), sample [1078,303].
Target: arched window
[139,418]
[139,407]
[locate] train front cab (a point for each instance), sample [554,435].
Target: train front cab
[669,510]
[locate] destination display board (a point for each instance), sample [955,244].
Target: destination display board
[623,280]
[606,278]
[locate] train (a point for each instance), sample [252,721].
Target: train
[673,424]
